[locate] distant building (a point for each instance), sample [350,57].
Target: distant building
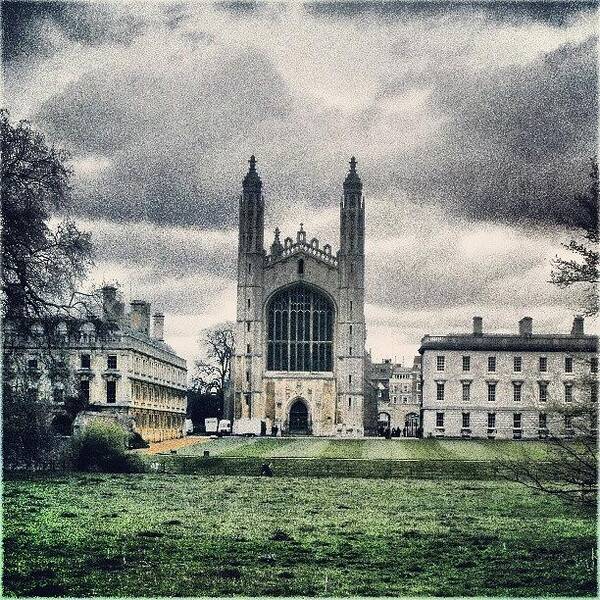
[117,367]
[299,360]
[505,385]
[398,396]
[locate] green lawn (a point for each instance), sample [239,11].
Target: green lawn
[185,535]
[402,449]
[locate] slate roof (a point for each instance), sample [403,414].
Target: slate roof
[511,342]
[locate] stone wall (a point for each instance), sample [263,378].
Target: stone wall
[319,394]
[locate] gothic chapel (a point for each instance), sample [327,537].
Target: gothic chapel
[299,359]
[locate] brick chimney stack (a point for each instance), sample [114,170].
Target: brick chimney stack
[577,328]
[112,308]
[526,326]
[477,326]
[140,316]
[159,327]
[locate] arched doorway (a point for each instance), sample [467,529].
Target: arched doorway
[298,423]
[412,425]
[383,423]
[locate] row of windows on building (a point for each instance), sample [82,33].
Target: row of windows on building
[517,391]
[150,395]
[86,335]
[85,362]
[157,369]
[159,395]
[517,364]
[403,400]
[110,387]
[440,420]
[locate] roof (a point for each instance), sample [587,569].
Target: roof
[380,370]
[138,335]
[511,342]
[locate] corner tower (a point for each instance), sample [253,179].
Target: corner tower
[248,360]
[351,334]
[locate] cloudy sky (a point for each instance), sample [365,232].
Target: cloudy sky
[473,125]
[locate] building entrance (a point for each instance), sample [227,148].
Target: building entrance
[411,425]
[299,418]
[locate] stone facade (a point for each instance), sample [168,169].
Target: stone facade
[505,386]
[300,331]
[117,368]
[398,397]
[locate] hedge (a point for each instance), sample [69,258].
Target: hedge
[324,467]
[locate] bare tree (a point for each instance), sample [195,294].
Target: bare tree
[582,269]
[213,371]
[571,471]
[42,269]
[570,468]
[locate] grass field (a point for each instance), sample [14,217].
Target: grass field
[161,535]
[399,449]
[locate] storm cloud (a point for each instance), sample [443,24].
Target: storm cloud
[473,123]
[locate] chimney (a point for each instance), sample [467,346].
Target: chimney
[159,327]
[577,328]
[110,304]
[526,326]
[477,326]
[140,316]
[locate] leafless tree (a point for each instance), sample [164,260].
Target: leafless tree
[43,267]
[213,371]
[569,469]
[583,268]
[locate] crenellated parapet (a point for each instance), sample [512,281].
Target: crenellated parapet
[289,248]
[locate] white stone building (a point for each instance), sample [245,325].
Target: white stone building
[118,367]
[300,335]
[505,385]
[398,397]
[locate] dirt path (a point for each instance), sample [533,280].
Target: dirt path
[168,445]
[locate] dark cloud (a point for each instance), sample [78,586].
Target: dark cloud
[162,251]
[241,8]
[516,142]
[168,136]
[175,128]
[552,12]
[25,22]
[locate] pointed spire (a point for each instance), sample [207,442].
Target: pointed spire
[352,181]
[276,247]
[252,181]
[301,235]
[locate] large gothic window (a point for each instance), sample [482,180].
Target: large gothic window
[300,331]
